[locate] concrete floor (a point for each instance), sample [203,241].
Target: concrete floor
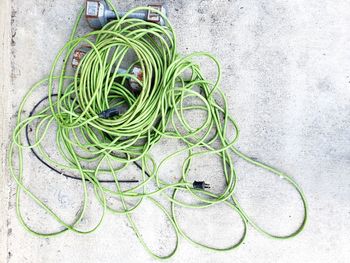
[286,73]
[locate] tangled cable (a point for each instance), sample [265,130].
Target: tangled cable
[158,111]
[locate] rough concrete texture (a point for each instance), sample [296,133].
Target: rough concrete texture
[286,73]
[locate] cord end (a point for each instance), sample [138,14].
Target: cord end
[112,112]
[200,185]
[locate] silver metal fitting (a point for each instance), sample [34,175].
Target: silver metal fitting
[78,55]
[155,17]
[98,14]
[137,72]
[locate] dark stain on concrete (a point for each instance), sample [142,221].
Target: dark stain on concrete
[9,255]
[13,28]
[324,85]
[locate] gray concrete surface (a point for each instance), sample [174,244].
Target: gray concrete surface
[286,73]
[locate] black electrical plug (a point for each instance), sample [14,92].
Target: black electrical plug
[200,185]
[116,111]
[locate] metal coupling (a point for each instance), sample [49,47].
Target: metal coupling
[98,14]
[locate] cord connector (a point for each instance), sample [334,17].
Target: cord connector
[137,72]
[98,14]
[78,55]
[116,111]
[200,185]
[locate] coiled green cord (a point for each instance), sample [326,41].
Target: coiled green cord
[157,112]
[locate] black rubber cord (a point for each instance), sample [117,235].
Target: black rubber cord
[53,168]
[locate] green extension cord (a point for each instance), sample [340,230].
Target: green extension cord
[157,112]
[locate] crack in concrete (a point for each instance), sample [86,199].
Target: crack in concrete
[13,32]
[13,42]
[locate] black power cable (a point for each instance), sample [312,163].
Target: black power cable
[53,168]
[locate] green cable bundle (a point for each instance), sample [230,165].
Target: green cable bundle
[158,111]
